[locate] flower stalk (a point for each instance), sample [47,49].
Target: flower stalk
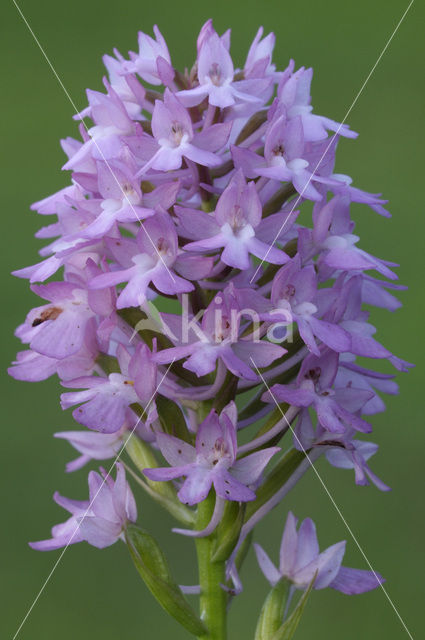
[213,598]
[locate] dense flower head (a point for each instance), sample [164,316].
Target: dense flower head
[178,276]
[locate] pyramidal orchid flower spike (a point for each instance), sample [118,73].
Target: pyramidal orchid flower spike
[185,281]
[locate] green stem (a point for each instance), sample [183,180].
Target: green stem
[213,598]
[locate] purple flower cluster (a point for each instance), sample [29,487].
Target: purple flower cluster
[186,191]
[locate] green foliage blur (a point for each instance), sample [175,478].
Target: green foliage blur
[98,594]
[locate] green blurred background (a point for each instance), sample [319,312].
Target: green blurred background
[97,594]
